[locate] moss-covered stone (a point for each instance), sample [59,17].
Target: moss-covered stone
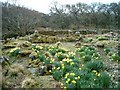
[8,46]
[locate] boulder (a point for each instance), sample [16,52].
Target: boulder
[25,53]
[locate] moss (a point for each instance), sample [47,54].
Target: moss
[27,44]
[8,46]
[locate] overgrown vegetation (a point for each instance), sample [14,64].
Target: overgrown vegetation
[20,20]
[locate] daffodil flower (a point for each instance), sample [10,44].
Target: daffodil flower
[80,68]
[67,74]
[72,74]
[68,79]
[61,84]
[58,68]
[78,77]
[98,75]
[73,81]
[49,70]
[94,71]
[71,63]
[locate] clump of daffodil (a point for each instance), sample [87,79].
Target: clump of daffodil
[52,60]
[53,68]
[72,74]
[39,47]
[58,68]
[68,80]
[95,72]
[67,60]
[63,66]
[66,75]
[71,53]
[71,63]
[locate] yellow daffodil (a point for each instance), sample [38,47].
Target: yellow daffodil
[78,77]
[72,74]
[52,60]
[71,63]
[58,68]
[96,57]
[82,65]
[61,62]
[80,68]
[98,75]
[73,81]
[94,71]
[65,87]
[113,54]
[33,49]
[67,74]
[68,79]
[53,68]
[83,56]
[61,84]
[113,75]
[63,67]
[49,70]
